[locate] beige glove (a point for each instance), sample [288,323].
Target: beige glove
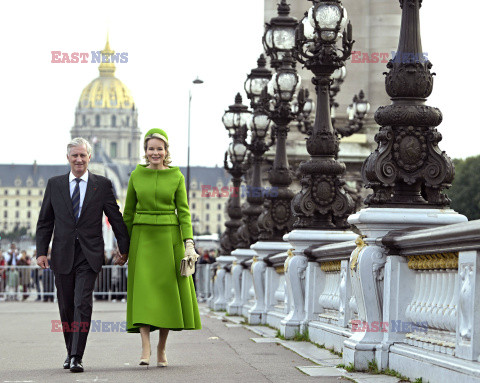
[190,250]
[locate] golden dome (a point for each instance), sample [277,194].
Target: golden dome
[106,91]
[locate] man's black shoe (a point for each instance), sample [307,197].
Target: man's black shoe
[66,364]
[76,364]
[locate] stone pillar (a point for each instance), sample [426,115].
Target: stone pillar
[468,307]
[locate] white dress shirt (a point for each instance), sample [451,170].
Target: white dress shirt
[83,188]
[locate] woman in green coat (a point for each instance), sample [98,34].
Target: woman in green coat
[158,220]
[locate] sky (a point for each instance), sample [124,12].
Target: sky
[168,47]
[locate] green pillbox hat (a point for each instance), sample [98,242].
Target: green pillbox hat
[159,132]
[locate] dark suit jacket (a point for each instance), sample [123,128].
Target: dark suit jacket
[56,215]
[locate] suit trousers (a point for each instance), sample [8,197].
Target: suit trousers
[75,302]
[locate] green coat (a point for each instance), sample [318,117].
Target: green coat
[158,221]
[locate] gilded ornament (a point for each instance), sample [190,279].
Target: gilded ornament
[354,257]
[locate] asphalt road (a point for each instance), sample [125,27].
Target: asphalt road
[31,352]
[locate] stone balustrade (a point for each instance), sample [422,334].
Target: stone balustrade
[442,266]
[404,296]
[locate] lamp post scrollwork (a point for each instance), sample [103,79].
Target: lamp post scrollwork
[277,218]
[323,203]
[260,128]
[408,169]
[235,120]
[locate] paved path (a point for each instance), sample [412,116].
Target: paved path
[223,351]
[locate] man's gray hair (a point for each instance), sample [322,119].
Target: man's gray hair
[79,141]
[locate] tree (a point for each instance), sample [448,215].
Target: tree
[465,190]
[15,235]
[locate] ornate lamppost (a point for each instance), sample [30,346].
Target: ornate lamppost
[259,126]
[279,36]
[277,218]
[278,41]
[408,169]
[408,173]
[235,120]
[323,202]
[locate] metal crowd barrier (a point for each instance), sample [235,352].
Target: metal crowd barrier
[20,283]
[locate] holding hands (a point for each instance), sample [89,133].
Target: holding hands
[120,259]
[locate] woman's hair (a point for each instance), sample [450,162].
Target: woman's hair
[167,160]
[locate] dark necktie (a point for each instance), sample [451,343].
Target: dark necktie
[76,199]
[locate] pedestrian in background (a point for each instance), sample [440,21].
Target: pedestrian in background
[36,275]
[24,271]
[12,255]
[2,274]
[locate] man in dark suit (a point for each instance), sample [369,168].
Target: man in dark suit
[72,209]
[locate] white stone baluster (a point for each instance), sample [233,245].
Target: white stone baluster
[422,309]
[411,306]
[256,315]
[208,280]
[235,307]
[345,291]
[441,304]
[247,290]
[271,286]
[450,312]
[228,287]
[212,285]
[199,281]
[436,290]
[323,298]
[353,304]
[335,296]
[423,295]
[280,292]
[220,302]
[295,267]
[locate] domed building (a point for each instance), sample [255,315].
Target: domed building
[107,117]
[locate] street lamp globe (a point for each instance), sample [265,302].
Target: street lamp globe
[236,118]
[257,80]
[286,82]
[340,73]
[260,124]
[329,19]
[239,151]
[279,36]
[360,105]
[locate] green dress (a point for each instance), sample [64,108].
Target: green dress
[158,221]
